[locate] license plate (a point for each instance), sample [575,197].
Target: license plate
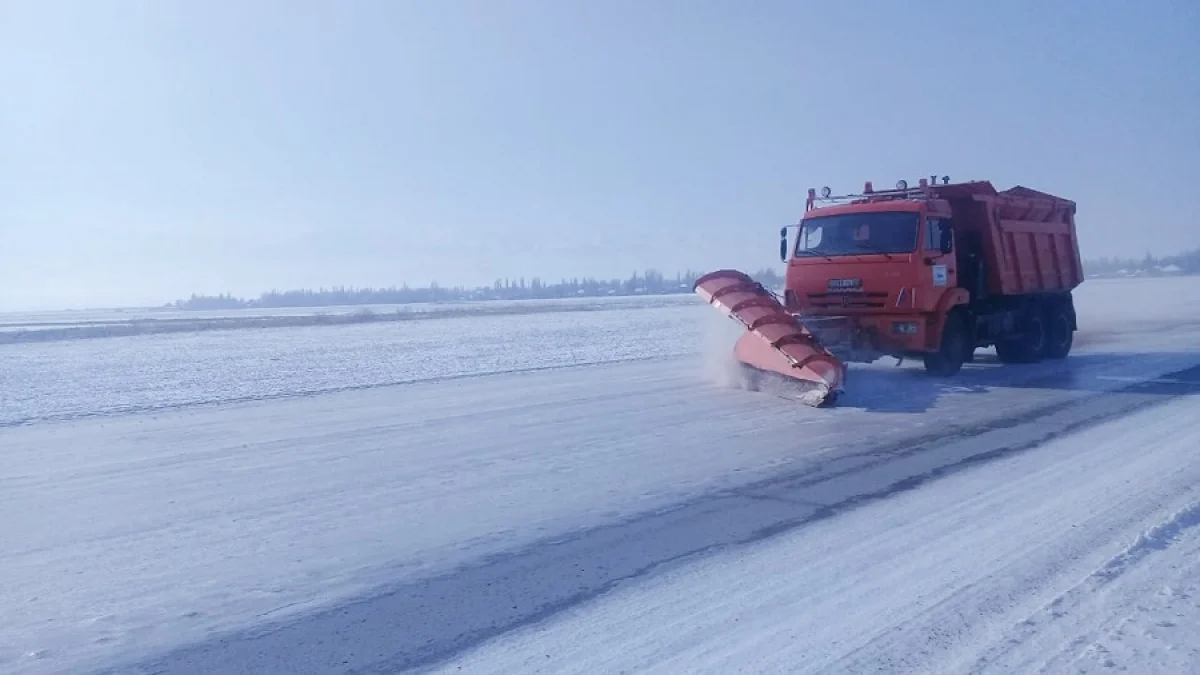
[845,284]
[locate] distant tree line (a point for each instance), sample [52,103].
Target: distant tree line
[1147,265]
[649,282]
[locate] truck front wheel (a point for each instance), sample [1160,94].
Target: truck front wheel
[951,354]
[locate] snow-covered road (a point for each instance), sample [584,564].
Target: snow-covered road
[536,517]
[1076,557]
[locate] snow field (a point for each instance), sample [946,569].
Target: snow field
[87,378]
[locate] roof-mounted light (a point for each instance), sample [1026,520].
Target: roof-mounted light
[901,184]
[825,192]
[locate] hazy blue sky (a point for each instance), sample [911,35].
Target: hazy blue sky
[151,149]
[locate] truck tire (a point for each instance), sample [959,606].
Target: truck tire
[952,352]
[1060,337]
[1030,347]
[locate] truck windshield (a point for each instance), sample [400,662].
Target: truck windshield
[858,233]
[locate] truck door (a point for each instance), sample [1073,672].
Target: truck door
[939,253]
[969,256]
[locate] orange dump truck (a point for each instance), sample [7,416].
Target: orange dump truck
[934,271]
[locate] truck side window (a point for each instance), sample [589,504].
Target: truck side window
[933,234]
[811,238]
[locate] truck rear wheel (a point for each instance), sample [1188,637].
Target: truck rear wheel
[952,352]
[1030,346]
[1061,337]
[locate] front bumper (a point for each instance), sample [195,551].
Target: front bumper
[865,338]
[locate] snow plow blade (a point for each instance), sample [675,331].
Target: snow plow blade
[775,341]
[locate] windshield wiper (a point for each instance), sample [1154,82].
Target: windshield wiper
[813,253]
[873,249]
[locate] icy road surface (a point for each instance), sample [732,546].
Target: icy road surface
[291,508]
[1079,557]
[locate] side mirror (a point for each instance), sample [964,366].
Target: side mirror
[947,243]
[783,244]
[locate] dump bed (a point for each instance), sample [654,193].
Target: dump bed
[1027,237]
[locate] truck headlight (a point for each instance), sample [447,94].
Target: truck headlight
[905,327]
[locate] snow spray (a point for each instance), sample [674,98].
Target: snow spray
[720,366]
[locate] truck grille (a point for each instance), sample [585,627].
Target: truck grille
[870,300]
